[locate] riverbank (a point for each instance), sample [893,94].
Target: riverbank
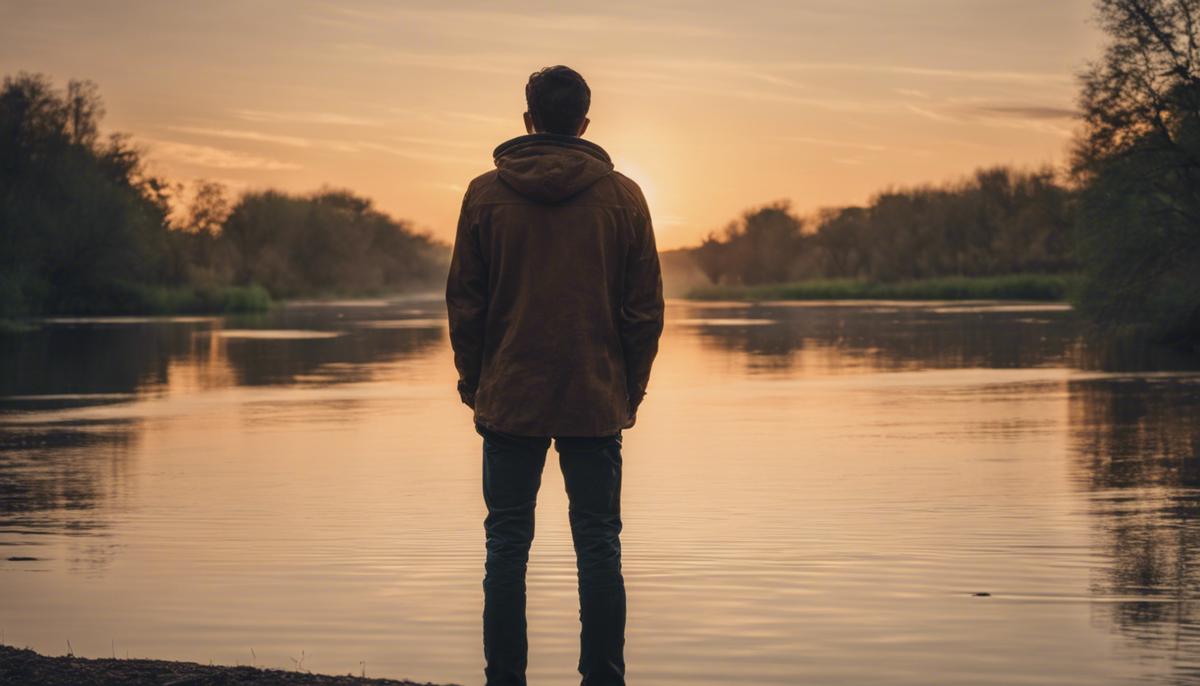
[154,301]
[198,300]
[1044,287]
[19,666]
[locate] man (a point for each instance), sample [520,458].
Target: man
[556,308]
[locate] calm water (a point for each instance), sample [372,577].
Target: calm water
[814,494]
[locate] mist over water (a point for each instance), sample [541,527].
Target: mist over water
[814,493]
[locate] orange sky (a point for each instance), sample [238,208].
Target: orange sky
[712,107]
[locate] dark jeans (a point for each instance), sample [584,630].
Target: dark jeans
[512,474]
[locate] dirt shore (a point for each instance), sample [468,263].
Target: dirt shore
[20,667]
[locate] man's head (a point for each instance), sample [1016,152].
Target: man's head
[558,99]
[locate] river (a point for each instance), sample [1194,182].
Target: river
[828,493]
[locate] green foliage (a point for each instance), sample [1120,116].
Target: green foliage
[83,229]
[1138,162]
[326,243]
[1049,287]
[77,216]
[999,221]
[764,245]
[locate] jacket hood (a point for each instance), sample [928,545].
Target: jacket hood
[548,167]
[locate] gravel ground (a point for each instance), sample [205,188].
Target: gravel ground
[26,668]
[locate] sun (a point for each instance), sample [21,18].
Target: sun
[644,180]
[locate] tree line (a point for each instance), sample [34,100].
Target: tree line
[999,221]
[1124,213]
[84,228]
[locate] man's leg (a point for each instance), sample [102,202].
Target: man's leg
[512,474]
[591,468]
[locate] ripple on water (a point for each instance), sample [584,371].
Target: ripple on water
[276,334]
[402,324]
[728,321]
[831,523]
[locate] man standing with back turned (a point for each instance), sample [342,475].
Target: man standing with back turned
[556,307]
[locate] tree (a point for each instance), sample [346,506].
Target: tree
[840,237]
[999,220]
[81,225]
[327,242]
[84,228]
[711,257]
[1138,164]
[762,247]
[208,210]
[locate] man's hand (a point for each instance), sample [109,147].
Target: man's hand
[632,417]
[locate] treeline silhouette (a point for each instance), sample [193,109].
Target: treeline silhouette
[1000,221]
[326,242]
[85,229]
[1125,214]
[1137,164]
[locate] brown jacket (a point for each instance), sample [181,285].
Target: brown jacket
[554,292]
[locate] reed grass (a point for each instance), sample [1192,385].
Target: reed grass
[1042,287]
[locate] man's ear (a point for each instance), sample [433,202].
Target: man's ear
[528,123]
[583,126]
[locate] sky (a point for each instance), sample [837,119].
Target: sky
[713,107]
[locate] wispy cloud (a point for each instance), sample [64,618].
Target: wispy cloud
[214,158]
[1038,118]
[931,72]
[440,142]
[928,113]
[331,118]
[456,188]
[411,154]
[829,143]
[499,21]
[291,141]
[1026,111]
[778,70]
[483,64]
[857,145]
[833,104]
[772,79]
[707,71]
[479,118]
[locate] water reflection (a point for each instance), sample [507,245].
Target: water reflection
[63,471]
[72,361]
[887,337]
[63,481]
[1138,456]
[832,478]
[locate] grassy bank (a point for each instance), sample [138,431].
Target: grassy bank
[19,666]
[143,300]
[14,326]
[1008,287]
[195,300]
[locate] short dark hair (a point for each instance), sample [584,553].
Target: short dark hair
[558,99]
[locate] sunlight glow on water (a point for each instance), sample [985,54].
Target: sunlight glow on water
[813,494]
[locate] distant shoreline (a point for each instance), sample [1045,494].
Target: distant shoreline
[24,666]
[187,302]
[1039,287]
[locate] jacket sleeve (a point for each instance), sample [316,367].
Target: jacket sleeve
[467,303]
[641,321]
